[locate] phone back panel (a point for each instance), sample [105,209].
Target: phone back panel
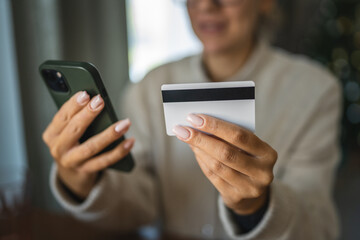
[82,76]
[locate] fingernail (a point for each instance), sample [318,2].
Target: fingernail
[82,98]
[195,120]
[181,132]
[129,143]
[96,102]
[122,125]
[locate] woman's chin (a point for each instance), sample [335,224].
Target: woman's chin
[215,49]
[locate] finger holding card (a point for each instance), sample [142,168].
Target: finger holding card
[236,161]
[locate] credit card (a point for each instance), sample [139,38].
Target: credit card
[230,101]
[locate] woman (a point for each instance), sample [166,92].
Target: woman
[202,186]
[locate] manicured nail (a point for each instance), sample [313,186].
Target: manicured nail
[82,98]
[195,120]
[181,132]
[96,102]
[129,143]
[122,125]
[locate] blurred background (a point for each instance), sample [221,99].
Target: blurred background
[125,39]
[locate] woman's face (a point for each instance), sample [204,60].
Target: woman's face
[225,25]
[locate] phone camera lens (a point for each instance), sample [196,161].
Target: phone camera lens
[59,75]
[55,80]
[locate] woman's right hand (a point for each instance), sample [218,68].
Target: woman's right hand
[78,167]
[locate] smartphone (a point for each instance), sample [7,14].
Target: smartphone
[64,78]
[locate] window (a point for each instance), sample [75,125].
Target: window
[159,31]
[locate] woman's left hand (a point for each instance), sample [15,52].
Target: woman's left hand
[237,162]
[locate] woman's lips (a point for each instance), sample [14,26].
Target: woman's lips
[211,27]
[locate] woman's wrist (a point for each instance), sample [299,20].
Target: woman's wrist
[250,206]
[247,223]
[78,184]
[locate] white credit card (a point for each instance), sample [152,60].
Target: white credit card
[230,101]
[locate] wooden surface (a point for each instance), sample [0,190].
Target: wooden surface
[41,225]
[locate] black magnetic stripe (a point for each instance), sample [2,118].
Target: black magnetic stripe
[208,94]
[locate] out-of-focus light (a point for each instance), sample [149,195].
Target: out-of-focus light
[345,25]
[339,66]
[333,28]
[357,39]
[352,91]
[340,53]
[353,113]
[346,72]
[328,9]
[355,59]
[357,12]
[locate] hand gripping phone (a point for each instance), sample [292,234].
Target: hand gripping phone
[64,78]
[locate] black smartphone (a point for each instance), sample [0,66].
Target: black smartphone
[64,78]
